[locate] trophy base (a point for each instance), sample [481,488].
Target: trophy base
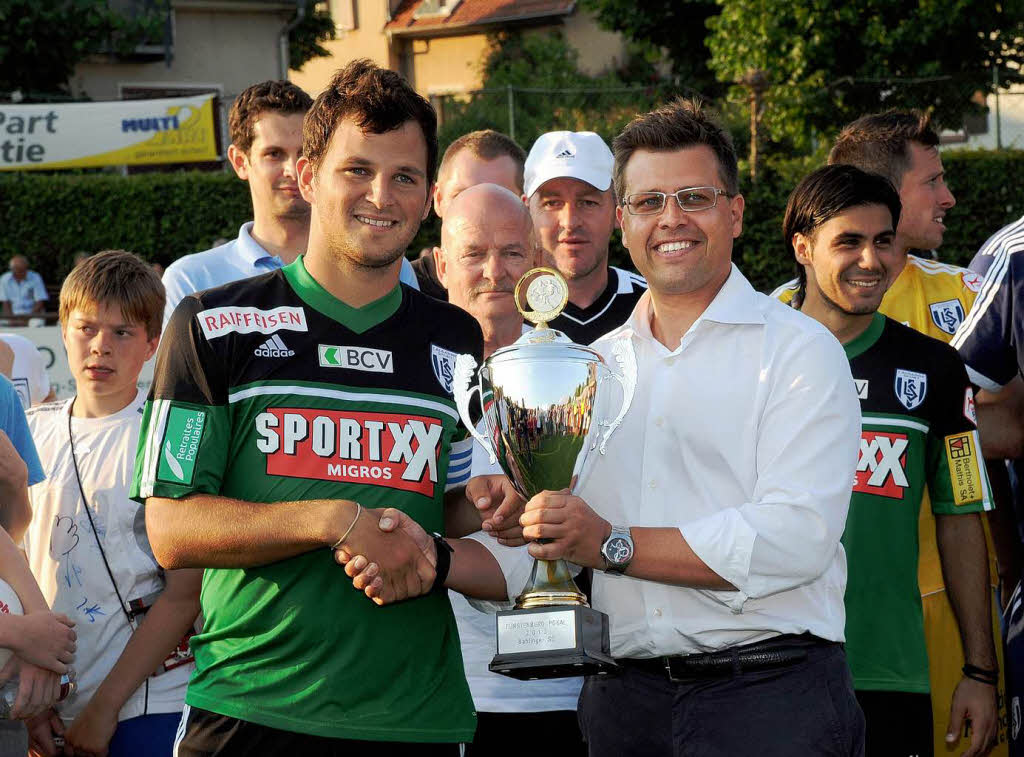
[552,642]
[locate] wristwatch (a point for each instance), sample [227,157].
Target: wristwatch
[617,550]
[444,553]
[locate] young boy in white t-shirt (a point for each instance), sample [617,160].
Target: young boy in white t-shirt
[87,543]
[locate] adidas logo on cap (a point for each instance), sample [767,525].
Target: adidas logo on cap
[565,154]
[273,347]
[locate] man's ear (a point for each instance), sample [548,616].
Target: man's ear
[441,265]
[304,177]
[239,161]
[426,205]
[802,249]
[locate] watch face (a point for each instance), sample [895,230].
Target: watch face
[618,550]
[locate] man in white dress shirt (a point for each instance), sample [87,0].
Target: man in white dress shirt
[713,521]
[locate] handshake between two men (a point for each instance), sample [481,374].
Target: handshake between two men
[402,561]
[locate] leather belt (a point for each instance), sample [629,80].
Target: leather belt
[778,652]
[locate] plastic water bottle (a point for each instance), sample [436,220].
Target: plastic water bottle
[9,692]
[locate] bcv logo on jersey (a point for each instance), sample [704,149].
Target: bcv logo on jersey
[384,449]
[355,358]
[444,366]
[910,387]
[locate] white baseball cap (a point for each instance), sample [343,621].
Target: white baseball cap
[579,155]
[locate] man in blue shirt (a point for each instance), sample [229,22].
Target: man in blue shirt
[22,291]
[265,125]
[15,512]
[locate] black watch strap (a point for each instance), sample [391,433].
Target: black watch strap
[444,562]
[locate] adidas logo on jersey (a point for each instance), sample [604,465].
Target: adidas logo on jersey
[273,347]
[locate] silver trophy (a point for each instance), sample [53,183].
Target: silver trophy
[539,398]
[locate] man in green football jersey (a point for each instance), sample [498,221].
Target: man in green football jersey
[919,431]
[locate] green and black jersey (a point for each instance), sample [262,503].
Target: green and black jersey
[271,390]
[918,430]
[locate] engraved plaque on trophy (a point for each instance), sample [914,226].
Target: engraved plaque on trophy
[539,397]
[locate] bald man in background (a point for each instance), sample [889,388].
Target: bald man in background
[487,244]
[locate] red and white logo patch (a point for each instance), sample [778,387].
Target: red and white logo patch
[381,449]
[217,322]
[969,411]
[972,280]
[881,467]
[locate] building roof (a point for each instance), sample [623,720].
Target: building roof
[473,13]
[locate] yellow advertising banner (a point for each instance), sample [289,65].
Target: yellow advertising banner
[117,133]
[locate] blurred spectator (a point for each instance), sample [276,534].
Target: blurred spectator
[22,291]
[27,371]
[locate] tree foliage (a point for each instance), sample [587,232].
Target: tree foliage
[304,40]
[41,42]
[672,29]
[829,61]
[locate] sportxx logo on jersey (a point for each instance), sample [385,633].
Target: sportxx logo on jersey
[273,347]
[217,322]
[964,467]
[383,449]
[355,358]
[881,466]
[947,315]
[444,366]
[910,387]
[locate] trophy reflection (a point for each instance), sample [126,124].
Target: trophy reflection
[539,398]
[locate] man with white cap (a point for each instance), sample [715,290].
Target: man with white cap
[568,187]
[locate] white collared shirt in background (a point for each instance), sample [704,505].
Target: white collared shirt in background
[238,259]
[745,437]
[24,294]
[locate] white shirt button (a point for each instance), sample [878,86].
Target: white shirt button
[653,484]
[659,422]
[657,612]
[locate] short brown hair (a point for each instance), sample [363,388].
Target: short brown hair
[377,99]
[275,96]
[880,143]
[683,123]
[487,144]
[115,277]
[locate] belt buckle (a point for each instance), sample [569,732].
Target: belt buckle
[667,661]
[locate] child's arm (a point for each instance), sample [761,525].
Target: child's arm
[163,626]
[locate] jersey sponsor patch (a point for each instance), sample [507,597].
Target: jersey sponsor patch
[969,411]
[862,388]
[947,315]
[910,387]
[382,449]
[217,322]
[355,358]
[882,464]
[972,280]
[964,467]
[444,366]
[180,445]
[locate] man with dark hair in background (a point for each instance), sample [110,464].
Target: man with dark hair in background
[265,127]
[480,157]
[934,299]
[919,437]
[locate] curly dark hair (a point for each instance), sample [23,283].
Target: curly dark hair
[276,96]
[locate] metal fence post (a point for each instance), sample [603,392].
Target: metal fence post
[995,94]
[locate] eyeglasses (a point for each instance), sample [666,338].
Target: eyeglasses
[690,199]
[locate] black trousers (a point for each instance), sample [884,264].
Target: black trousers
[899,724]
[807,708]
[515,734]
[207,733]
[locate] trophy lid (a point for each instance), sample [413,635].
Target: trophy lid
[540,296]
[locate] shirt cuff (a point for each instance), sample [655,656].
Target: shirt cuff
[725,542]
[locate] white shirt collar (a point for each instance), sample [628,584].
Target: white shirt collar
[248,248]
[736,302]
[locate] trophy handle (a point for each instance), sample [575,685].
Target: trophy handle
[465,367]
[622,351]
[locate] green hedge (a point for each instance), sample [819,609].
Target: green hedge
[162,216]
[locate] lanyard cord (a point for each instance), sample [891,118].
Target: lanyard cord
[96,535]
